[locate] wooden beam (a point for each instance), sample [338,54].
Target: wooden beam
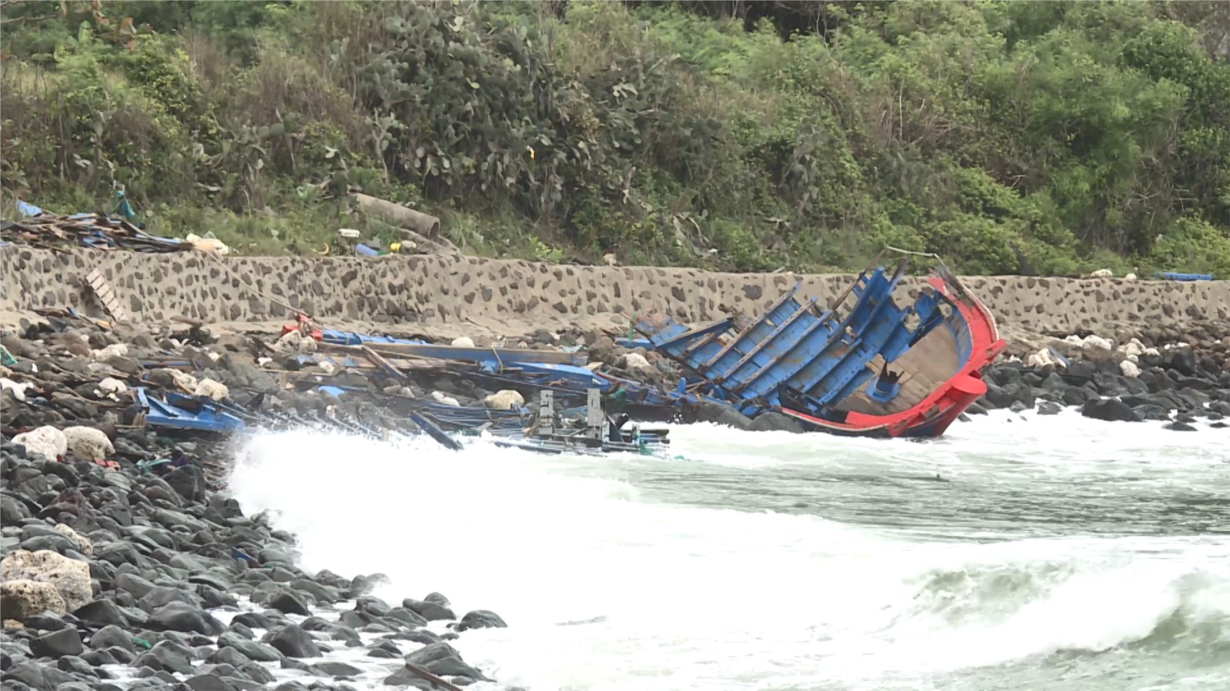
[504,356]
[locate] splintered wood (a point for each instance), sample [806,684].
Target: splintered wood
[106,296]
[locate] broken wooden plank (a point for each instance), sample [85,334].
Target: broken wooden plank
[502,357]
[375,358]
[106,296]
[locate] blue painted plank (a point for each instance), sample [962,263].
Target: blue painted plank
[769,353]
[745,339]
[818,357]
[878,317]
[818,332]
[164,413]
[681,338]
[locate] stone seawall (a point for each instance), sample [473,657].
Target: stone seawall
[452,292]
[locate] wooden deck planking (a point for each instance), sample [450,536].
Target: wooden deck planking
[924,367]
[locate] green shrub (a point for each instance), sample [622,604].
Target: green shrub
[1193,246]
[1042,138]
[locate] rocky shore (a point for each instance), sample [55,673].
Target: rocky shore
[121,571]
[126,565]
[1180,377]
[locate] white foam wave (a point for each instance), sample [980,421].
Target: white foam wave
[678,596]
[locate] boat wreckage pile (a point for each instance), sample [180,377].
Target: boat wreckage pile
[91,231]
[862,365]
[120,559]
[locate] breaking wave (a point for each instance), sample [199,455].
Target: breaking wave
[1002,612]
[608,581]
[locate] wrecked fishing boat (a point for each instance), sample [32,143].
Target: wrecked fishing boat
[871,368]
[862,365]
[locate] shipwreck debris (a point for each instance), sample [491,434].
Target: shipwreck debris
[88,230]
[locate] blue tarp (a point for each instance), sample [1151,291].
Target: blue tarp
[352,338]
[1176,276]
[338,361]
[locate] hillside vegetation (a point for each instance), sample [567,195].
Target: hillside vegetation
[1043,138]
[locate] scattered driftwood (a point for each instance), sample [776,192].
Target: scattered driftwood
[93,231]
[435,680]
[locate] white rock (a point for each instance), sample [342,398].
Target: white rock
[1132,347]
[208,244]
[87,442]
[24,598]
[262,361]
[1130,277]
[214,390]
[19,390]
[84,545]
[463,342]
[1073,340]
[112,385]
[1094,342]
[1129,369]
[610,259]
[327,367]
[1042,358]
[636,363]
[69,576]
[441,397]
[183,380]
[1143,349]
[115,349]
[1102,273]
[506,399]
[215,356]
[294,342]
[47,440]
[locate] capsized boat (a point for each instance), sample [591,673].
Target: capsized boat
[870,368]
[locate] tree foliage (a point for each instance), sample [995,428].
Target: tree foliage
[1037,138]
